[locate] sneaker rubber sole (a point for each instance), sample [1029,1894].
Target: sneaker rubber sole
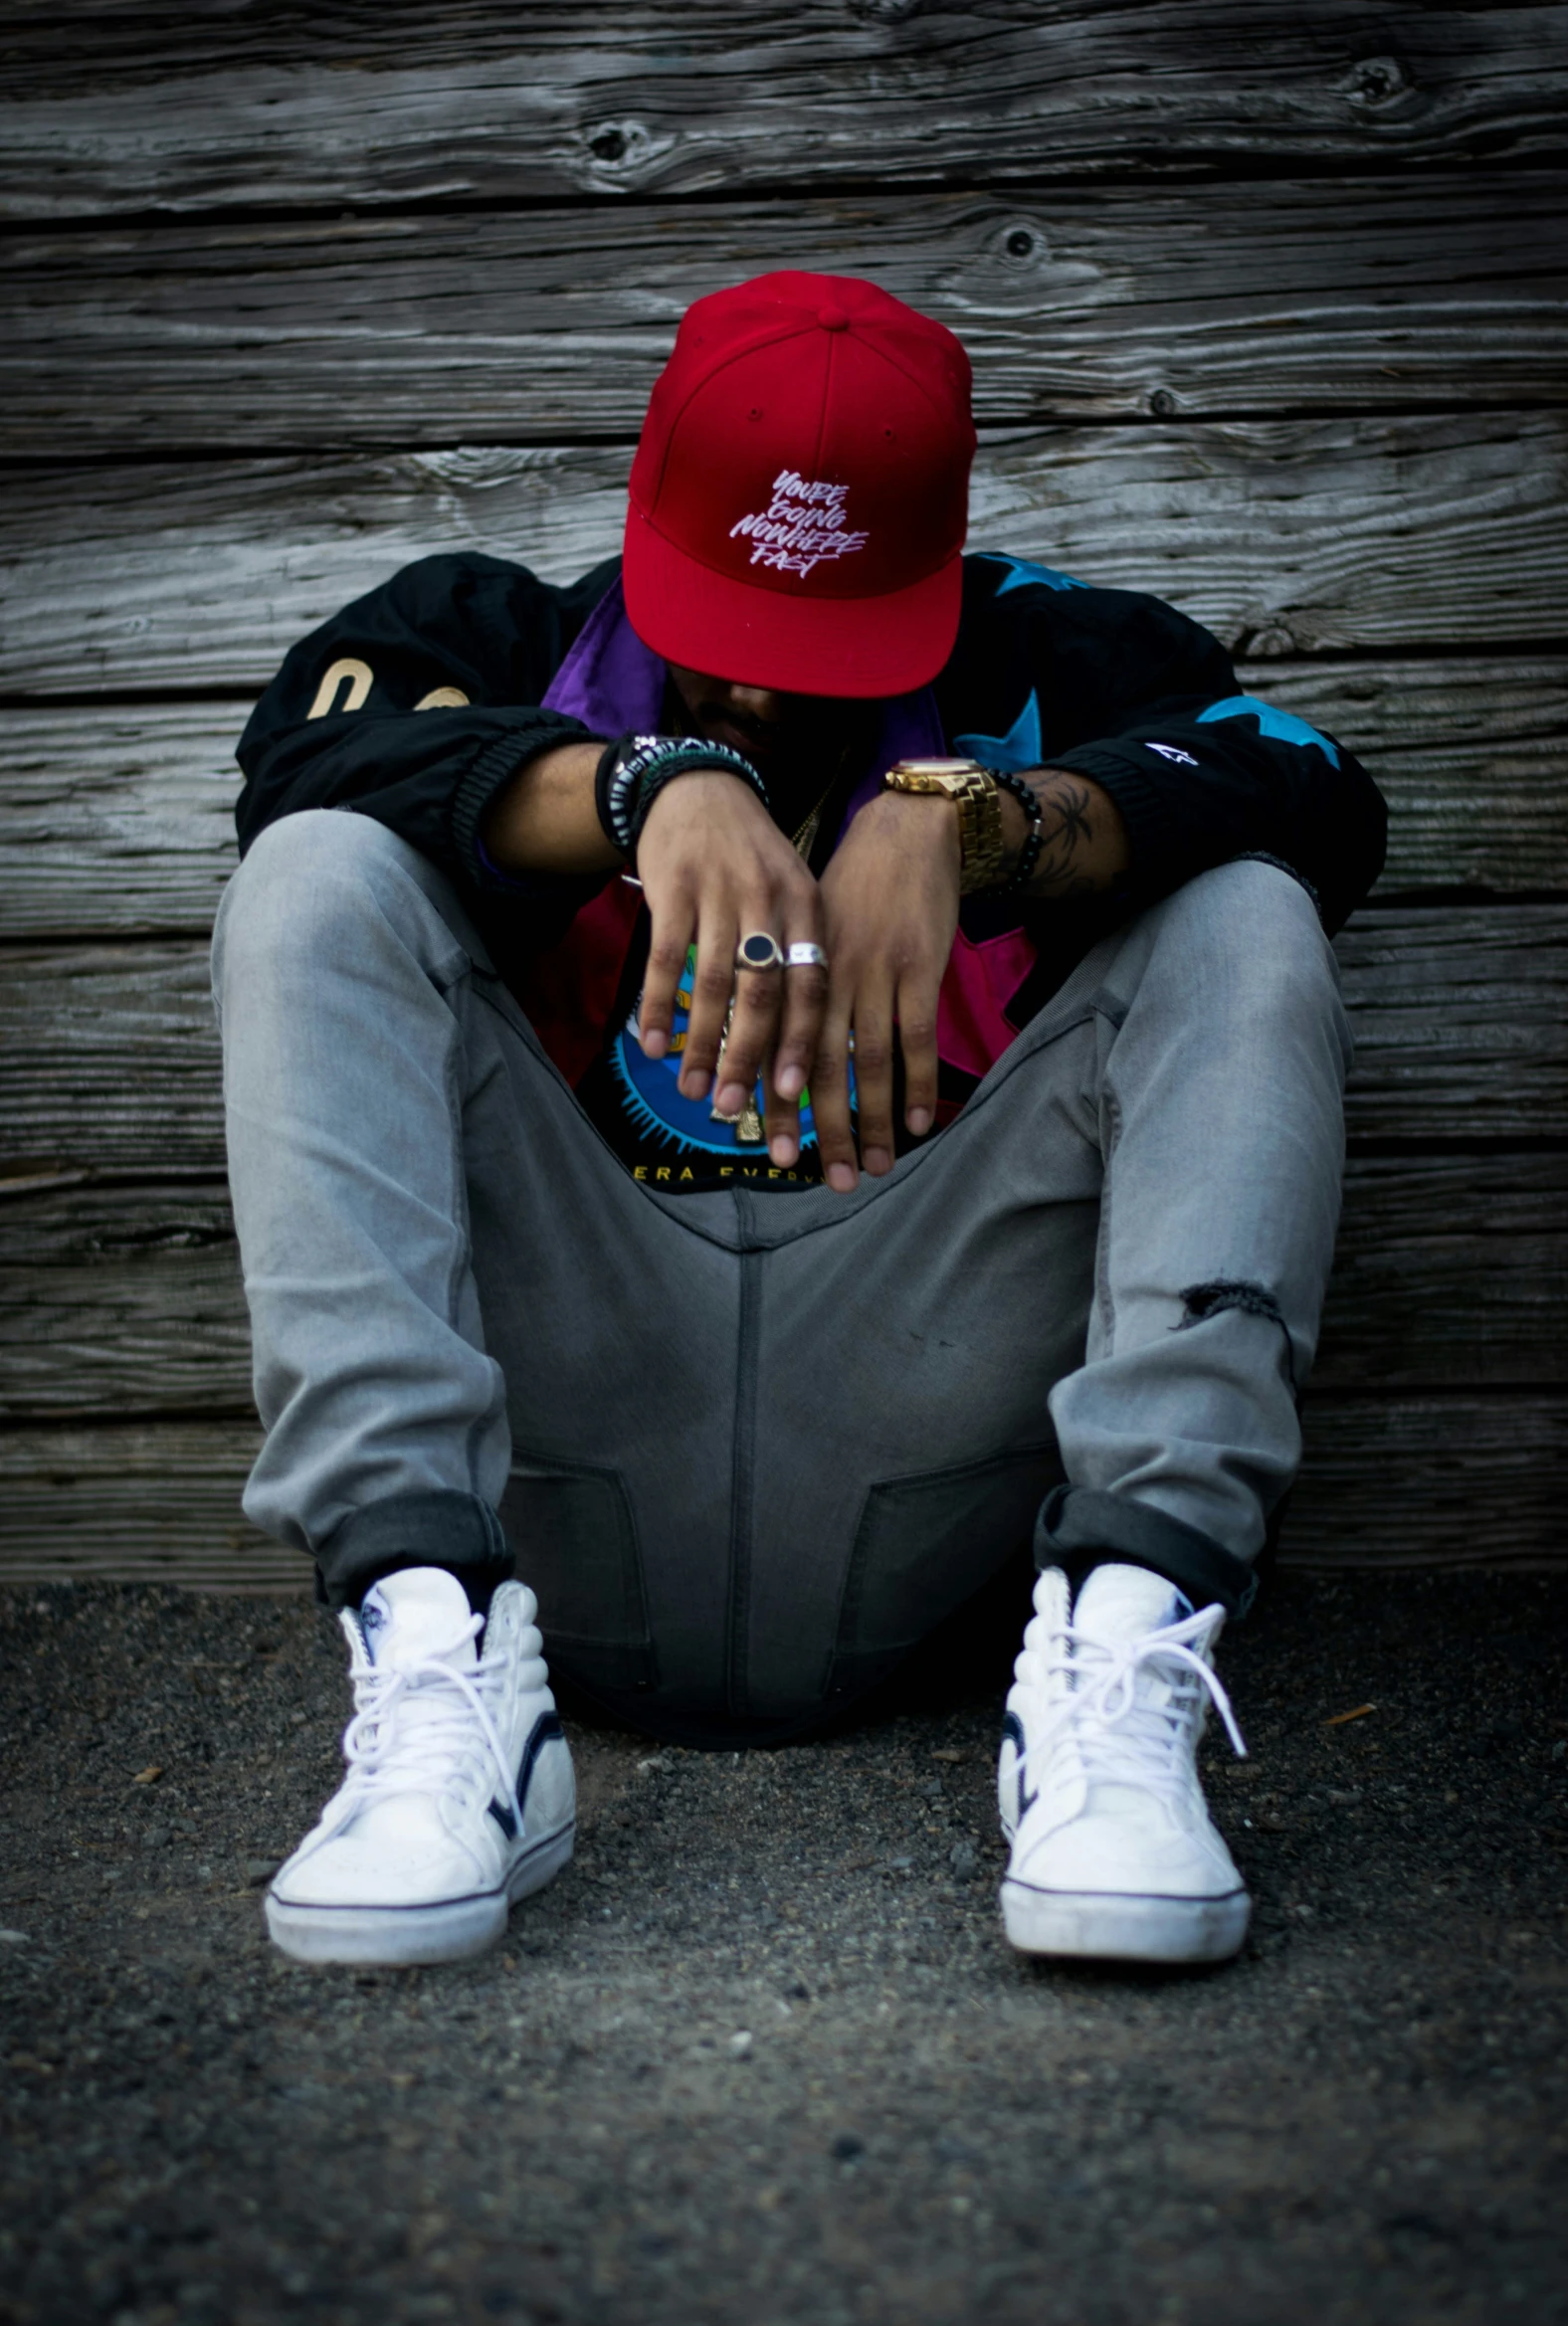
[1107,1926]
[450,1931]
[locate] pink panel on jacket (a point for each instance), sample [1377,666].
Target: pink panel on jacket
[981,979]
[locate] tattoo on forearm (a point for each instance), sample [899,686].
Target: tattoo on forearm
[1067,837]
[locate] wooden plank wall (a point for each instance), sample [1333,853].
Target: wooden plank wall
[1265,311]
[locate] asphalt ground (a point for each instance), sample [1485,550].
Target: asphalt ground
[762,2054]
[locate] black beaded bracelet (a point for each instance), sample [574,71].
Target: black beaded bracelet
[634,770]
[1034,840]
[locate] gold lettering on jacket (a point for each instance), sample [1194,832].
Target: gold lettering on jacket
[358,675]
[441,699]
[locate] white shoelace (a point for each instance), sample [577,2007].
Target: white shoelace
[388,1756]
[1119,1739]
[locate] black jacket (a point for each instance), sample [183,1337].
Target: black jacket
[1045,672]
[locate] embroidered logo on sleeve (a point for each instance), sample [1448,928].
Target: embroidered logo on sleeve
[804,525]
[1169,751]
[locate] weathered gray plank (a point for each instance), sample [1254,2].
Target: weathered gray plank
[109,1055]
[433,331]
[138,1502]
[146,107]
[109,1060]
[121,1300]
[1430,1481]
[118,823]
[1456,1481]
[1461,1022]
[1451,1271]
[1285,536]
[115,822]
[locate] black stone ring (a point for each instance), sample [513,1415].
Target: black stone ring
[758,950]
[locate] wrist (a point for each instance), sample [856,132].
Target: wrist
[539,819]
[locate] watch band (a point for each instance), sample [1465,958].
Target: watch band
[975,793]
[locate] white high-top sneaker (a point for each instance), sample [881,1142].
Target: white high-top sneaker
[460,1797]
[1114,1856]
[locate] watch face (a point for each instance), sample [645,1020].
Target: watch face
[933,768]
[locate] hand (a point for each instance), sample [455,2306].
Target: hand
[890,906]
[713,865]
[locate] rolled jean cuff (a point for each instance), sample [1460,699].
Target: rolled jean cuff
[438,1528]
[1080,1527]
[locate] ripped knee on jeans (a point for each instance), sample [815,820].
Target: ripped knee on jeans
[1201,1302]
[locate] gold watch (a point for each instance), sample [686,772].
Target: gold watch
[978,797]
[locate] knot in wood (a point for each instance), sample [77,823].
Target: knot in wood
[1376,82]
[621,148]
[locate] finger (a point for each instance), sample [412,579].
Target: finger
[712,984]
[873,1077]
[782,1119]
[800,1024]
[830,1099]
[918,1000]
[758,993]
[671,935]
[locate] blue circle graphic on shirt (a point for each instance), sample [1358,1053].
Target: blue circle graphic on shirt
[653,1102]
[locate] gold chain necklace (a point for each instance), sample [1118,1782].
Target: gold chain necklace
[805,840]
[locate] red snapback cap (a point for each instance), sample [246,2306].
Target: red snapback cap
[801,490]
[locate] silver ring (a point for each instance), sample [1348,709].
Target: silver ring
[805,957]
[758,950]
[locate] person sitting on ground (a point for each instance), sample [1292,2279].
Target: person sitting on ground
[758,1083]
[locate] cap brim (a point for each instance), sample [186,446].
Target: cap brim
[710,622]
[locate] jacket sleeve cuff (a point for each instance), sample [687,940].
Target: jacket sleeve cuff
[496,764]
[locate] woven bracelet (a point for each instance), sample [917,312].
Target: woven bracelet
[1034,840]
[634,770]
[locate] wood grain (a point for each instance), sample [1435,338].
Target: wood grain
[138,1502]
[1451,1271]
[123,1300]
[1461,1022]
[252,105]
[1434,1481]
[119,822]
[437,330]
[1285,536]
[108,1061]
[116,823]
[1456,1480]
[109,1056]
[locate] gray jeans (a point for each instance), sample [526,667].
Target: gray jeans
[751,1447]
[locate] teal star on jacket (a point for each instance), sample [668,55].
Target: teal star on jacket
[1019,573]
[1018,749]
[1283,727]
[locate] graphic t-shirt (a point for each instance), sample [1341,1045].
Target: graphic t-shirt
[616,685]
[668,1140]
